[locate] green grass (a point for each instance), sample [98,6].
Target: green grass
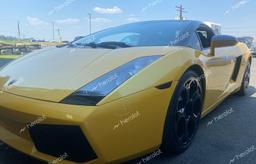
[27,42]
[13,42]
[9,56]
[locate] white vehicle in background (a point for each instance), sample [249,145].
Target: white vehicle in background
[250,42]
[253,51]
[215,26]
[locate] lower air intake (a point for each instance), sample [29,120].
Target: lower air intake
[66,141]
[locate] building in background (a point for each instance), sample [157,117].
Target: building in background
[215,26]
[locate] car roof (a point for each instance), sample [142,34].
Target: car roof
[188,21]
[192,25]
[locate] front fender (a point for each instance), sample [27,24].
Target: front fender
[167,69]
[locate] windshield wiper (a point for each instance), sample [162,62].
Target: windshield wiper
[92,45]
[113,45]
[109,45]
[71,45]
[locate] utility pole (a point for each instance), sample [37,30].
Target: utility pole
[60,39]
[181,10]
[53,33]
[18,26]
[90,22]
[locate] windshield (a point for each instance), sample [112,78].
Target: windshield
[155,33]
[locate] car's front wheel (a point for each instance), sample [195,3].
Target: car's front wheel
[246,81]
[184,114]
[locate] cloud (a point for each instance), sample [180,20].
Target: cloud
[68,21]
[132,19]
[33,21]
[151,4]
[114,10]
[101,20]
[66,3]
[237,6]
[131,15]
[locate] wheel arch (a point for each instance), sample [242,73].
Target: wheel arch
[200,72]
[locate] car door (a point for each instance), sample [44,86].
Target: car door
[219,67]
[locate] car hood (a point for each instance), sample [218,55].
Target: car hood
[54,73]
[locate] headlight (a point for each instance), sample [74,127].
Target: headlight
[96,90]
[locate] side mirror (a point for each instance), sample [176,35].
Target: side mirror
[219,41]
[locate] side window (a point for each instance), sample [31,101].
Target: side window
[194,42]
[205,35]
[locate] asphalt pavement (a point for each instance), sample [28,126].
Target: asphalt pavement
[226,136]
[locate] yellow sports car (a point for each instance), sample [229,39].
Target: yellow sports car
[120,93]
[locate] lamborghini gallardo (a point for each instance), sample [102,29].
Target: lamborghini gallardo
[120,93]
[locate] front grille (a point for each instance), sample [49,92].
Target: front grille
[57,140]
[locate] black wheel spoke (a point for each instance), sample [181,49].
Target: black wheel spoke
[188,94]
[247,77]
[187,130]
[194,118]
[196,95]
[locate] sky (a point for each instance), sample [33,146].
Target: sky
[237,17]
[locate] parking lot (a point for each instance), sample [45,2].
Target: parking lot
[226,136]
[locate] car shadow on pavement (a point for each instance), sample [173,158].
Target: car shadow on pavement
[251,91]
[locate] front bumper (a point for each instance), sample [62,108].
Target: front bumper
[115,132]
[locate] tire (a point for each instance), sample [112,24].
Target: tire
[183,115]
[246,81]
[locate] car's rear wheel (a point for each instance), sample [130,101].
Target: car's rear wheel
[246,81]
[184,114]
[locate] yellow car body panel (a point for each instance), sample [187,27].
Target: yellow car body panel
[98,123]
[127,123]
